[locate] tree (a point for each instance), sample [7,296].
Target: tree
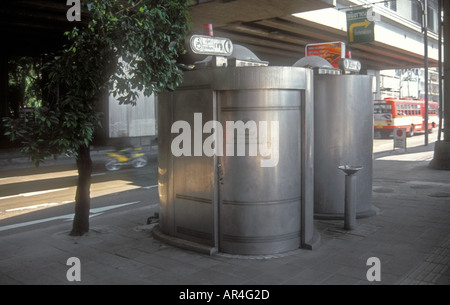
[127,47]
[23,83]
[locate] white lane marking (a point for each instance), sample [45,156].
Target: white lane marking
[107,208]
[29,194]
[96,212]
[30,207]
[98,174]
[29,223]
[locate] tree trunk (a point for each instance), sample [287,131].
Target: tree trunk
[82,197]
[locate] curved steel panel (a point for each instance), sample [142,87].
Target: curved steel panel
[295,78]
[343,115]
[248,78]
[260,206]
[254,210]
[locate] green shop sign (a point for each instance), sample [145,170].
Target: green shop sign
[359,28]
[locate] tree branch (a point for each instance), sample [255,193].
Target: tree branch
[130,7]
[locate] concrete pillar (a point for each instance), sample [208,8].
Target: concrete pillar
[376,84]
[441,158]
[446,6]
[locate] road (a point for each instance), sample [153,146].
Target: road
[34,197]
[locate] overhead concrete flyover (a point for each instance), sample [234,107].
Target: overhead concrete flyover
[279,31]
[275,30]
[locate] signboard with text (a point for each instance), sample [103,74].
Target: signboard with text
[360,26]
[207,45]
[331,51]
[400,138]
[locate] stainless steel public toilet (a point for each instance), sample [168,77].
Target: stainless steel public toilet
[343,107]
[343,135]
[235,159]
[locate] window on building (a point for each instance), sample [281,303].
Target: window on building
[431,14]
[391,5]
[416,12]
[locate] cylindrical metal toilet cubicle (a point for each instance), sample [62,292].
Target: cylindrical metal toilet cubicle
[343,135]
[232,204]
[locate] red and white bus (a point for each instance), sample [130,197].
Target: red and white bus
[404,113]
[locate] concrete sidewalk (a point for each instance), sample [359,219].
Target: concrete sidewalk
[410,236]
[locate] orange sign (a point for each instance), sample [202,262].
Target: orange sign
[331,51]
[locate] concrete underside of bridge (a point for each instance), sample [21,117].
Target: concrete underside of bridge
[273,33]
[266,27]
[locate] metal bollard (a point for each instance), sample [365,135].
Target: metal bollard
[350,204]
